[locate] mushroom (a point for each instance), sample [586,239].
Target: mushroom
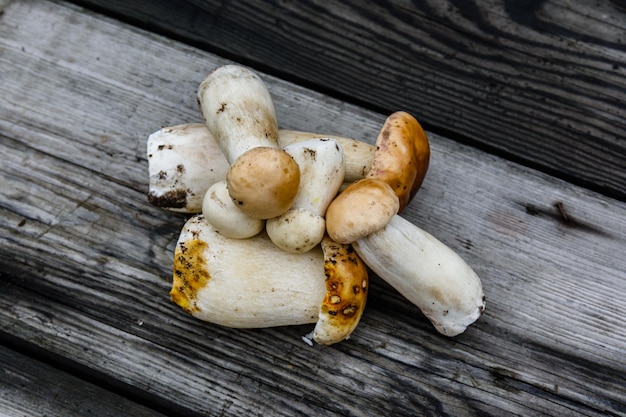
[219,210]
[251,283]
[238,111]
[420,267]
[322,170]
[183,161]
[193,147]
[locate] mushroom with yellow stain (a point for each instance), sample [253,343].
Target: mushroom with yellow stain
[251,283]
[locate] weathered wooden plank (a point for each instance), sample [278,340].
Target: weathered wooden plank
[29,387]
[85,261]
[541,82]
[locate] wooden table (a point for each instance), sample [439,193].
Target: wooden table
[524,104]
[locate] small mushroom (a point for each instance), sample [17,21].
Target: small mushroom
[238,111]
[219,210]
[193,147]
[322,170]
[251,283]
[420,267]
[183,161]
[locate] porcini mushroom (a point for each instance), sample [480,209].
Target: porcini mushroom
[183,161]
[219,210]
[322,170]
[418,266]
[238,111]
[251,283]
[192,147]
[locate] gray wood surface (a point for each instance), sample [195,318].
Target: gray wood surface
[30,387]
[85,261]
[541,82]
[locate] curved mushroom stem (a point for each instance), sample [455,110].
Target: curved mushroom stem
[322,169]
[427,272]
[238,110]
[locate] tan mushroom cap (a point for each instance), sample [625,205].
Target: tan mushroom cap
[363,208]
[346,293]
[402,155]
[263,182]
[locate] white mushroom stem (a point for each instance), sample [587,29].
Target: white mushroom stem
[218,208]
[358,155]
[322,170]
[427,272]
[245,283]
[194,148]
[183,161]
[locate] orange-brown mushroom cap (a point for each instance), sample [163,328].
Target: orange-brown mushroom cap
[263,182]
[346,293]
[402,155]
[362,208]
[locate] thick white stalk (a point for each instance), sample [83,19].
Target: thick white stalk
[183,162]
[245,283]
[358,155]
[427,272]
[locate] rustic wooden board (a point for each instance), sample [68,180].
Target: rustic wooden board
[540,82]
[85,261]
[29,387]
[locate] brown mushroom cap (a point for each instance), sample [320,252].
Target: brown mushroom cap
[346,293]
[363,208]
[402,155]
[263,182]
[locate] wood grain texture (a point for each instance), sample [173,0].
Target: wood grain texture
[86,262]
[539,82]
[29,387]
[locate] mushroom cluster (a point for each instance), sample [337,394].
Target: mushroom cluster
[284,225]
